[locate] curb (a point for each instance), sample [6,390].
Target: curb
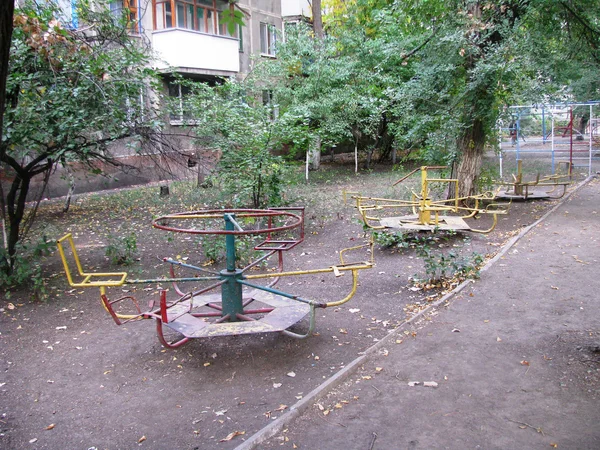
[301,406]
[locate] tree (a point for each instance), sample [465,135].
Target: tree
[325,93]
[465,59]
[235,119]
[70,94]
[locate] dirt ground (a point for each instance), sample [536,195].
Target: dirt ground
[71,378]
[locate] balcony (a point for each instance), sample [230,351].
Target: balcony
[193,51]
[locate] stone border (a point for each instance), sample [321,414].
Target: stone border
[304,404]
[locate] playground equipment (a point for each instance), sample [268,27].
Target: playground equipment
[525,190]
[567,131]
[428,214]
[244,306]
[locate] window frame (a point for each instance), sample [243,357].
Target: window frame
[204,18]
[133,20]
[268,39]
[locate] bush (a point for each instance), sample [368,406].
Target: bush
[121,250]
[440,266]
[26,270]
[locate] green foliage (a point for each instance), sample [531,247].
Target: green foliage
[69,95]
[232,18]
[215,250]
[399,239]
[232,119]
[440,266]
[121,250]
[27,271]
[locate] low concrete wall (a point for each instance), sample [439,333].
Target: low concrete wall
[135,170]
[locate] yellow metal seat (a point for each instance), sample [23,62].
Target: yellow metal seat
[99,279]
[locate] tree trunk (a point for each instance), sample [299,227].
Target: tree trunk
[16,202]
[71,190]
[314,154]
[317,19]
[6,28]
[583,121]
[471,145]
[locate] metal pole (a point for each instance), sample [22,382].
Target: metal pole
[590,156]
[571,136]
[500,147]
[231,292]
[230,242]
[552,137]
[543,124]
[518,131]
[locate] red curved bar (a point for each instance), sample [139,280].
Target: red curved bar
[217,213]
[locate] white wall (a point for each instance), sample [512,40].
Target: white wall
[194,50]
[295,8]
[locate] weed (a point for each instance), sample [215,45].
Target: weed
[26,268]
[121,250]
[411,240]
[440,266]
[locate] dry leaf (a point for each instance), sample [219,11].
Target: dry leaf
[231,435]
[142,439]
[430,384]
[498,339]
[291,374]
[49,427]
[414,383]
[378,369]
[281,408]
[524,363]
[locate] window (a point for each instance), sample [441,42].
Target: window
[177,91]
[197,15]
[127,8]
[268,101]
[267,39]
[180,113]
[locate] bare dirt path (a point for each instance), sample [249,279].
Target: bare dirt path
[70,378]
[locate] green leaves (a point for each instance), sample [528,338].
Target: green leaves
[233,18]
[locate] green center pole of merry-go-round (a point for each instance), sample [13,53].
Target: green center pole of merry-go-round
[231,292]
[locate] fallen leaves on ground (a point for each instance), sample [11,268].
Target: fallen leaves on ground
[231,435]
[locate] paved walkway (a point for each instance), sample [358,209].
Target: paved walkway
[515,356]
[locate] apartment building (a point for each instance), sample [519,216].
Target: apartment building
[190,38]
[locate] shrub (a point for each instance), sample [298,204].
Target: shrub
[121,250]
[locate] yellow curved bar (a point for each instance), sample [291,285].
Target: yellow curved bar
[118,278]
[370,245]
[350,295]
[119,316]
[495,215]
